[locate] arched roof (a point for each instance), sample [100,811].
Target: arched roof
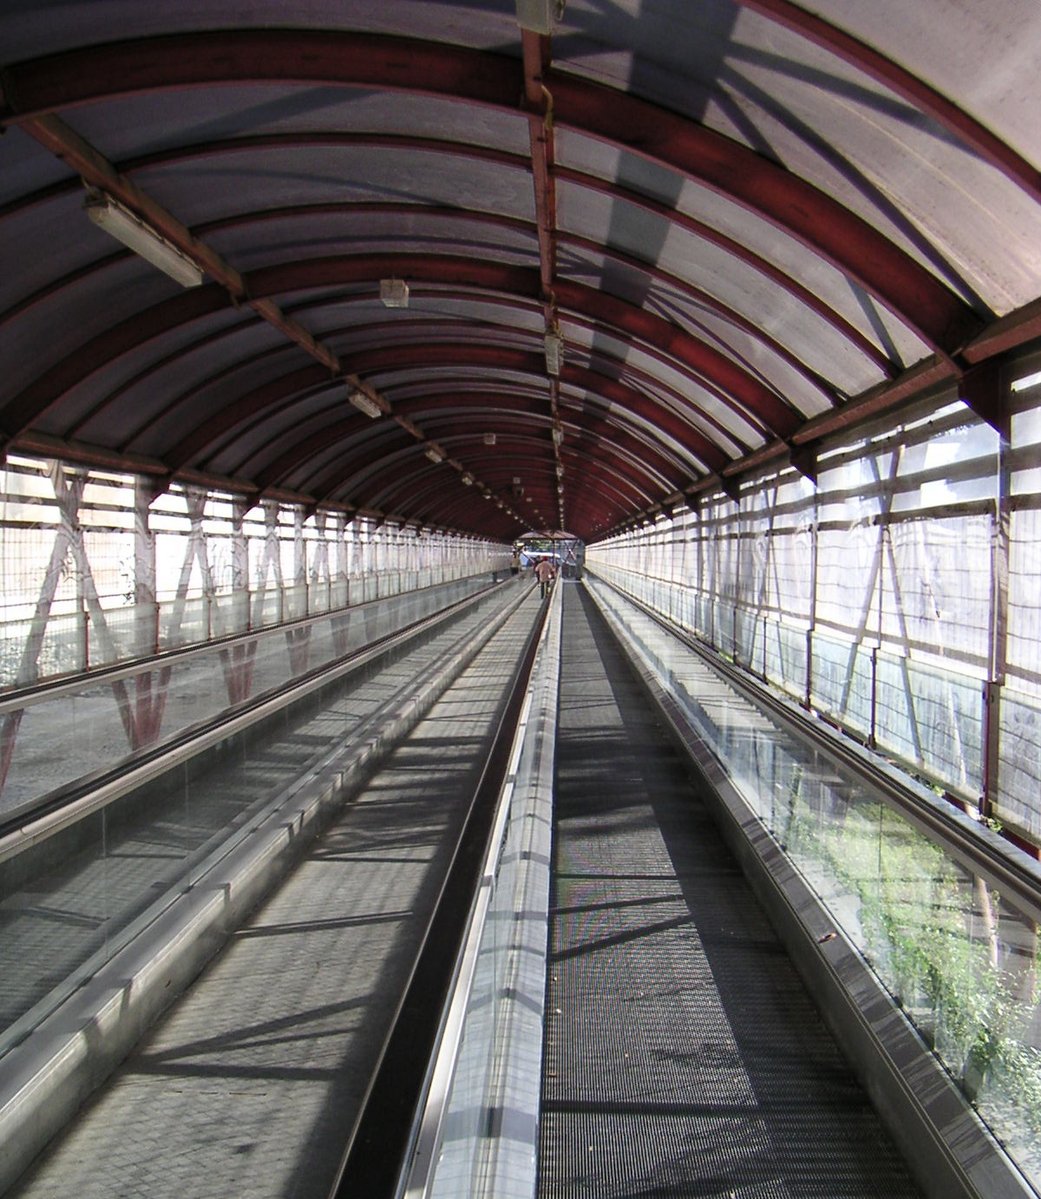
[747,223]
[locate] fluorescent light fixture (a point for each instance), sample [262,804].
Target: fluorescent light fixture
[394,293]
[131,230]
[539,15]
[434,453]
[554,353]
[364,403]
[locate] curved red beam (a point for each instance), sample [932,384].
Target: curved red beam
[480,153]
[768,409]
[499,220]
[596,419]
[592,415]
[593,420]
[521,282]
[182,309]
[348,470]
[456,509]
[416,495]
[640,461]
[200,442]
[853,246]
[585,379]
[498,473]
[492,401]
[228,372]
[203,441]
[681,402]
[540,496]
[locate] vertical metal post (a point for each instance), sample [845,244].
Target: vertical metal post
[146,614]
[737,582]
[999,568]
[240,560]
[273,557]
[299,558]
[812,628]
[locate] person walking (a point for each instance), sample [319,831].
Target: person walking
[545,572]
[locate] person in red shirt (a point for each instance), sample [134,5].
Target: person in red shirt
[545,572]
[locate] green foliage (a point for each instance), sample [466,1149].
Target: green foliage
[932,934]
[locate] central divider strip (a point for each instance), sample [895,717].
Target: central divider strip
[382,1141]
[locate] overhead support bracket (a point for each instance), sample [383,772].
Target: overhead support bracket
[730,487]
[982,389]
[804,459]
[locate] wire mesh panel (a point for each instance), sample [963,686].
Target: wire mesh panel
[937,587]
[1023,662]
[842,679]
[875,595]
[98,570]
[1020,764]
[1023,645]
[931,720]
[784,658]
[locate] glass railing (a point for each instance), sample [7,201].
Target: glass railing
[53,737]
[926,716]
[78,889]
[952,949]
[73,642]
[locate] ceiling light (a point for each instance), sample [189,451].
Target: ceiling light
[364,403]
[434,453]
[489,439]
[468,480]
[127,227]
[554,352]
[394,293]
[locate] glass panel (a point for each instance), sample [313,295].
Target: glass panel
[68,901]
[53,739]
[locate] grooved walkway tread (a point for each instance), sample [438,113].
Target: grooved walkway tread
[683,1055]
